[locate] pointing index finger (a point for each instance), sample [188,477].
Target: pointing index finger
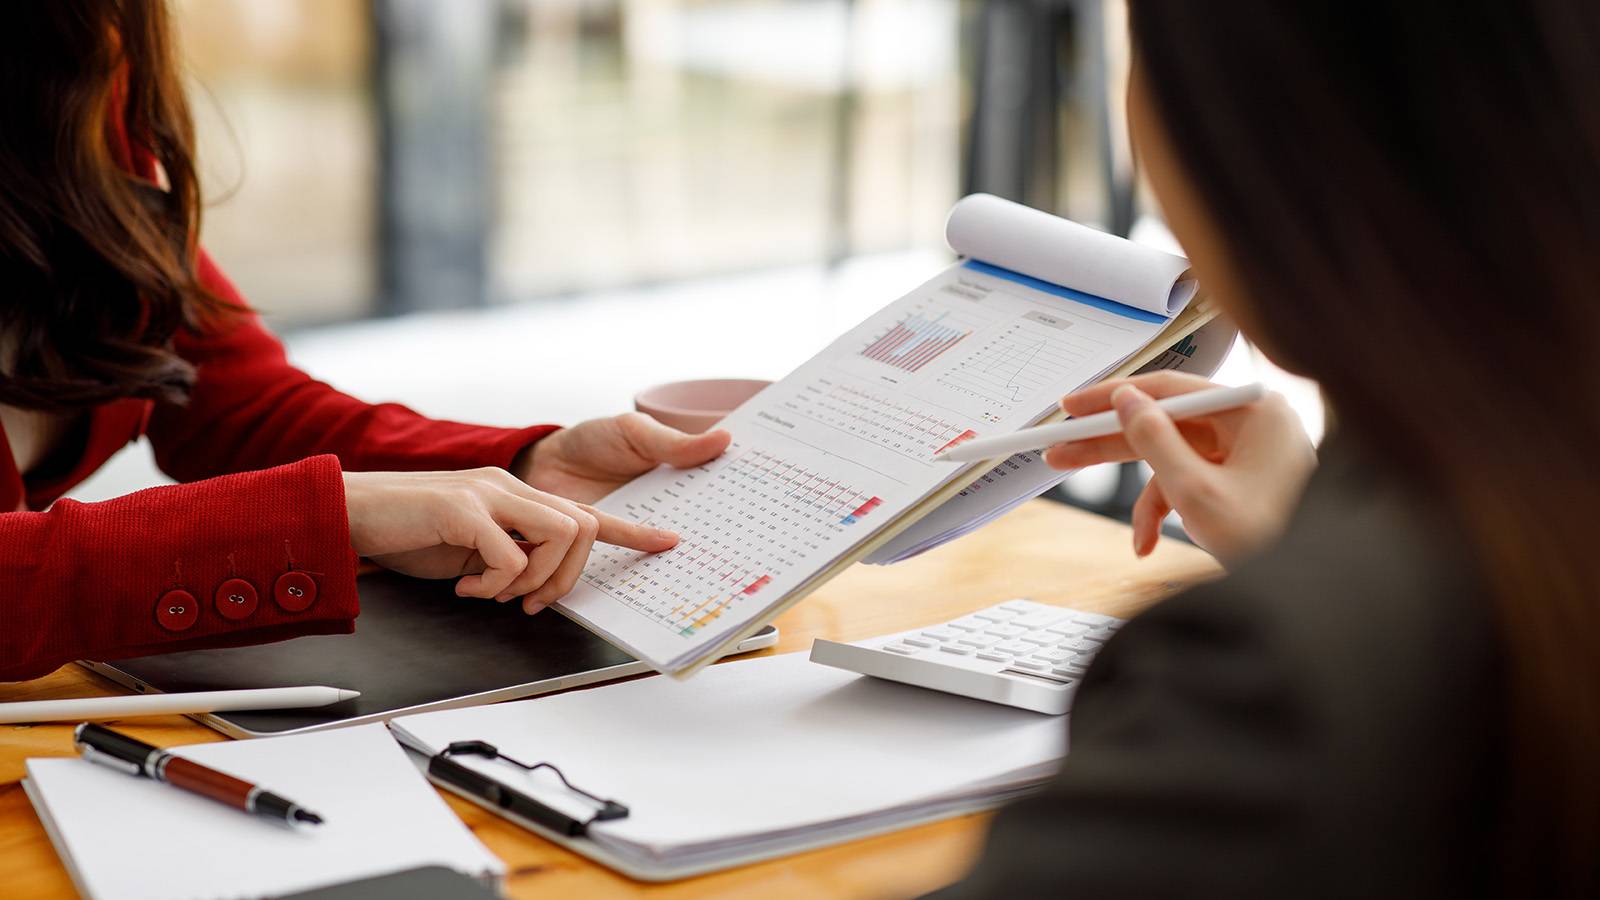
[623,533]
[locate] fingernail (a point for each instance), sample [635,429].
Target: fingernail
[1127,400]
[503,598]
[666,535]
[532,606]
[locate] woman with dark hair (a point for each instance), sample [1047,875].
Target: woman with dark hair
[1396,692]
[114,323]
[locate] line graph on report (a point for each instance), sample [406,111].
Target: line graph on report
[1021,359]
[918,339]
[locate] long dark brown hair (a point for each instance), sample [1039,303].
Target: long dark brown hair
[99,206]
[1411,194]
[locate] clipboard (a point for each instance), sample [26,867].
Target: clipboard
[556,827]
[806,757]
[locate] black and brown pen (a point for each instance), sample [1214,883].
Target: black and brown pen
[125,754]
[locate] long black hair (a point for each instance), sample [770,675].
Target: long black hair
[97,259]
[1410,193]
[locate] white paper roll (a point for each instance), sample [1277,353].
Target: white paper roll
[1033,243]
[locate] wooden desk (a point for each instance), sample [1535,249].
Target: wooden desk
[1044,551]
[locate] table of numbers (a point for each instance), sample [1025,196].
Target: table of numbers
[742,521]
[918,433]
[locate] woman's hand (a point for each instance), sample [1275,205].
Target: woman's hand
[496,535]
[594,458]
[1234,476]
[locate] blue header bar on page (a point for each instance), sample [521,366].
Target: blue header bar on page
[1111,306]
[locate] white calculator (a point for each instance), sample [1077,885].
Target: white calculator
[1018,653]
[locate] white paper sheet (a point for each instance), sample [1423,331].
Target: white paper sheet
[129,838]
[751,750]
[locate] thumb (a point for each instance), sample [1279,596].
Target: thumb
[1153,435]
[659,443]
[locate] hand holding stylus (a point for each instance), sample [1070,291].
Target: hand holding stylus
[1234,476]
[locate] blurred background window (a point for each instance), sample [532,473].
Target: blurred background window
[371,156]
[645,140]
[288,157]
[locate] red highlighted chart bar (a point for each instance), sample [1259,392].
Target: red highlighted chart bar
[861,511]
[961,438]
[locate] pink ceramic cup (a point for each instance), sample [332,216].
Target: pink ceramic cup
[695,406]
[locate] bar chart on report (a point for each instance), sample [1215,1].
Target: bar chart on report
[743,523]
[917,340]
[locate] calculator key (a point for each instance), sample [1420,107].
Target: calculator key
[979,640]
[957,649]
[1092,639]
[1072,670]
[992,656]
[1090,621]
[919,641]
[1007,631]
[906,649]
[970,623]
[1069,629]
[1040,637]
[1033,664]
[1039,618]
[996,615]
[1054,655]
[1016,647]
[1021,606]
[941,634]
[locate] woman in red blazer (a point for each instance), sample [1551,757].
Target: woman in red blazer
[114,324]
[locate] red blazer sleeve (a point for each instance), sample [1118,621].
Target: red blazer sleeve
[230,561]
[251,410]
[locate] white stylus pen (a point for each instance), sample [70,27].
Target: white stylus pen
[1183,406]
[86,709]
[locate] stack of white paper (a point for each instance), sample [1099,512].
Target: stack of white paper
[755,759]
[846,446]
[124,837]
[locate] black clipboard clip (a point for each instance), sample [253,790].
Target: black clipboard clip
[441,766]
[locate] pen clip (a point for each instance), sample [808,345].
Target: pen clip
[492,791]
[93,755]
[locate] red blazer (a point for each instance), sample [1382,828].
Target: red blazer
[253,546]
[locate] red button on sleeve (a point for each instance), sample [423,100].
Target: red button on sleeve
[295,591]
[236,599]
[177,611]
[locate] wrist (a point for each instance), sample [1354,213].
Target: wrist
[356,486]
[522,464]
[531,457]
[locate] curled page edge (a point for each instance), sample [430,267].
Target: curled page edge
[1037,244]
